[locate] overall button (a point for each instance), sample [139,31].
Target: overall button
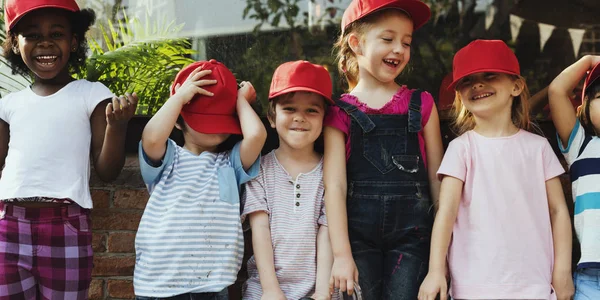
[297,203]
[298,195]
[297,186]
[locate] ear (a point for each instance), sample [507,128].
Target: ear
[271,121]
[178,126]
[355,43]
[518,87]
[74,44]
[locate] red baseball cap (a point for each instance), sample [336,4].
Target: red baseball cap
[303,76]
[214,114]
[483,56]
[14,10]
[593,75]
[418,11]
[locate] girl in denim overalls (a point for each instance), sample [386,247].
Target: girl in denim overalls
[378,173]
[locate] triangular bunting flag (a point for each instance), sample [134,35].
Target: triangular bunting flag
[515,26]
[489,16]
[576,38]
[545,33]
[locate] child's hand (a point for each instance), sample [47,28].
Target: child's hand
[193,85]
[563,285]
[121,109]
[435,283]
[247,91]
[274,294]
[344,275]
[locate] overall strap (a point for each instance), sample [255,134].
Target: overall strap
[360,117]
[414,112]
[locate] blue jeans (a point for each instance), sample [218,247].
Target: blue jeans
[222,295]
[587,284]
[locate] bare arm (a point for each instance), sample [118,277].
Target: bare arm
[344,272]
[109,127]
[563,113]
[435,282]
[561,234]
[324,264]
[253,130]
[158,129]
[435,151]
[4,138]
[263,254]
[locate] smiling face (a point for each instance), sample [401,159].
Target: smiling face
[487,94]
[298,119]
[45,42]
[383,50]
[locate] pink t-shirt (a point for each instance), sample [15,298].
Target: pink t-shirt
[502,246]
[337,117]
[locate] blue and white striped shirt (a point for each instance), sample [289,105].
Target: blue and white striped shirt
[584,169]
[190,236]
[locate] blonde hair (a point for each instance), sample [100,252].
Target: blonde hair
[347,63]
[464,120]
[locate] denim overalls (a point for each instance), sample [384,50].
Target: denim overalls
[390,214]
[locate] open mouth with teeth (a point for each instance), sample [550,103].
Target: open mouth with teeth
[391,62]
[481,96]
[46,60]
[299,129]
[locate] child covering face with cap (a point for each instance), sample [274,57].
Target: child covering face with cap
[579,142]
[502,225]
[189,242]
[292,255]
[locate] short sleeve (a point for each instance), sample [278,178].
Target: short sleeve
[255,197]
[242,176]
[337,118]
[575,142]
[98,93]
[427,104]
[552,166]
[3,114]
[151,173]
[454,162]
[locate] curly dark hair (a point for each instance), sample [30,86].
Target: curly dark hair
[81,22]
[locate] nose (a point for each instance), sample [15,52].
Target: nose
[299,117]
[398,48]
[45,42]
[477,85]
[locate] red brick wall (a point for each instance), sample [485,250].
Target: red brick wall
[118,207]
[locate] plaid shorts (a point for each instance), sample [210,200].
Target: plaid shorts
[45,253]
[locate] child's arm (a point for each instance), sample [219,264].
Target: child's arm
[253,130]
[435,283]
[435,151]
[344,272]
[158,129]
[263,254]
[561,234]
[563,113]
[4,137]
[109,127]
[324,263]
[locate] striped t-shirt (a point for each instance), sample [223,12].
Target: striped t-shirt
[190,236]
[296,210]
[584,168]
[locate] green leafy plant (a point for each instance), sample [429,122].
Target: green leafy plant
[10,83]
[138,57]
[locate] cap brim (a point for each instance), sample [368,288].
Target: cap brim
[592,77]
[212,124]
[300,89]
[65,7]
[452,85]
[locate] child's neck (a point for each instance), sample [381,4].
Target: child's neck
[197,149]
[500,125]
[374,93]
[47,87]
[297,161]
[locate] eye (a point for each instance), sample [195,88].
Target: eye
[56,35]
[288,108]
[490,75]
[31,36]
[388,40]
[407,45]
[312,110]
